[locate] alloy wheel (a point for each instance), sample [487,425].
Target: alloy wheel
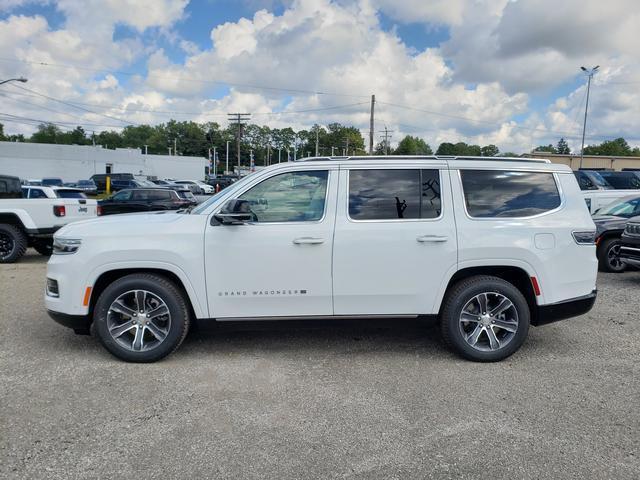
[488,321]
[139,320]
[613,257]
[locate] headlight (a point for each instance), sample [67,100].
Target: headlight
[65,246]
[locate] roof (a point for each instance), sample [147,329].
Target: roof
[423,157]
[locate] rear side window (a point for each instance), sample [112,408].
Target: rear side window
[36,193]
[501,193]
[394,194]
[70,194]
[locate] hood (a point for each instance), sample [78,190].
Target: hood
[608,222]
[130,223]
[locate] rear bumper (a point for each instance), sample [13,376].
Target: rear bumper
[79,323]
[566,309]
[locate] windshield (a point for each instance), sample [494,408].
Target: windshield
[203,206]
[627,208]
[146,183]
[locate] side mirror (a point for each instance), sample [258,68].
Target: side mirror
[234,212]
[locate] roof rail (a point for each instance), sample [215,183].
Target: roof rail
[422,157]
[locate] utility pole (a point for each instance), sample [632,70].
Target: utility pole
[175,146]
[332,148]
[146,149]
[279,154]
[268,160]
[317,130]
[590,74]
[227,166]
[239,119]
[386,138]
[169,150]
[371,124]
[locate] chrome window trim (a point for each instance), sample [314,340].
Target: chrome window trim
[394,220]
[494,219]
[308,222]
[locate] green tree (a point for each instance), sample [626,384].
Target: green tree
[617,148]
[563,147]
[109,139]
[545,148]
[3,138]
[46,133]
[412,146]
[489,151]
[446,148]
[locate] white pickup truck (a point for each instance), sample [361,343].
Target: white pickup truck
[596,199]
[29,219]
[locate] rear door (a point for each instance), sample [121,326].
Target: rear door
[394,239]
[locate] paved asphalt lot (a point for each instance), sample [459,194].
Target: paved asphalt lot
[326,401]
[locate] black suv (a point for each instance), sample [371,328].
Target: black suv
[630,243]
[146,200]
[610,221]
[100,179]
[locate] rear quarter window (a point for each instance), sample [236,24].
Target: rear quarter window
[70,194]
[509,194]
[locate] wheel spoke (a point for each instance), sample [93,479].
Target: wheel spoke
[118,330]
[504,304]
[483,301]
[156,312]
[469,317]
[138,342]
[508,325]
[121,308]
[141,297]
[494,343]
[472,338]
[156,331]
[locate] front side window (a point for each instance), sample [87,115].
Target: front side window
[394,194]
[501,193]
[289,197]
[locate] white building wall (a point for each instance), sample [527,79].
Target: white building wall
[76,162]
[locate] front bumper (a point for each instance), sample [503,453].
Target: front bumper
[630,254]
[562,310]
[80,324]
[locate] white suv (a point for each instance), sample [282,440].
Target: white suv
[488,246]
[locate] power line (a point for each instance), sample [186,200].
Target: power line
[186,79]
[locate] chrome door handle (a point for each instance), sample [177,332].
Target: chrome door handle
[308,241]
[431,238]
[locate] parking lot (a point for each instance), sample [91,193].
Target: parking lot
[327,400]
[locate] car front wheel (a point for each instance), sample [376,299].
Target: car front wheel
[609,256]
[485,319]
[141,317]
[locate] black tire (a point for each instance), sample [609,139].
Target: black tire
[159,287]
[43,246]
[461,295]
[608,256]
[13,243]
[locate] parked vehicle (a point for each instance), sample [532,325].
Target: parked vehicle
[192,185]
[100,179]
[117,185]
[591,180]
[146,200]
[222,181]
[630,243]
[10,187]
[610,222]
[489,246]
[25,222]
[627,180]
[52,182]
[597,199]
[87,186]
[33,191]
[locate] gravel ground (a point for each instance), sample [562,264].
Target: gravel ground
[355,400]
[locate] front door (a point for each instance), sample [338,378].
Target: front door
[278,264]
[395,239]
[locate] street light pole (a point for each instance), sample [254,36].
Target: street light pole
[227,168]
[590,74]
[20,79]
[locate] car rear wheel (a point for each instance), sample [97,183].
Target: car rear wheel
[485,319]
[609,256]
[141,317]
[13,243]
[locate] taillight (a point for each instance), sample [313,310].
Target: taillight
[99,210]
[59,210]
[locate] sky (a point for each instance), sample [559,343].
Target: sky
[503,72]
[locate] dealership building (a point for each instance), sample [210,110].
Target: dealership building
[590,161]
[78,162]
